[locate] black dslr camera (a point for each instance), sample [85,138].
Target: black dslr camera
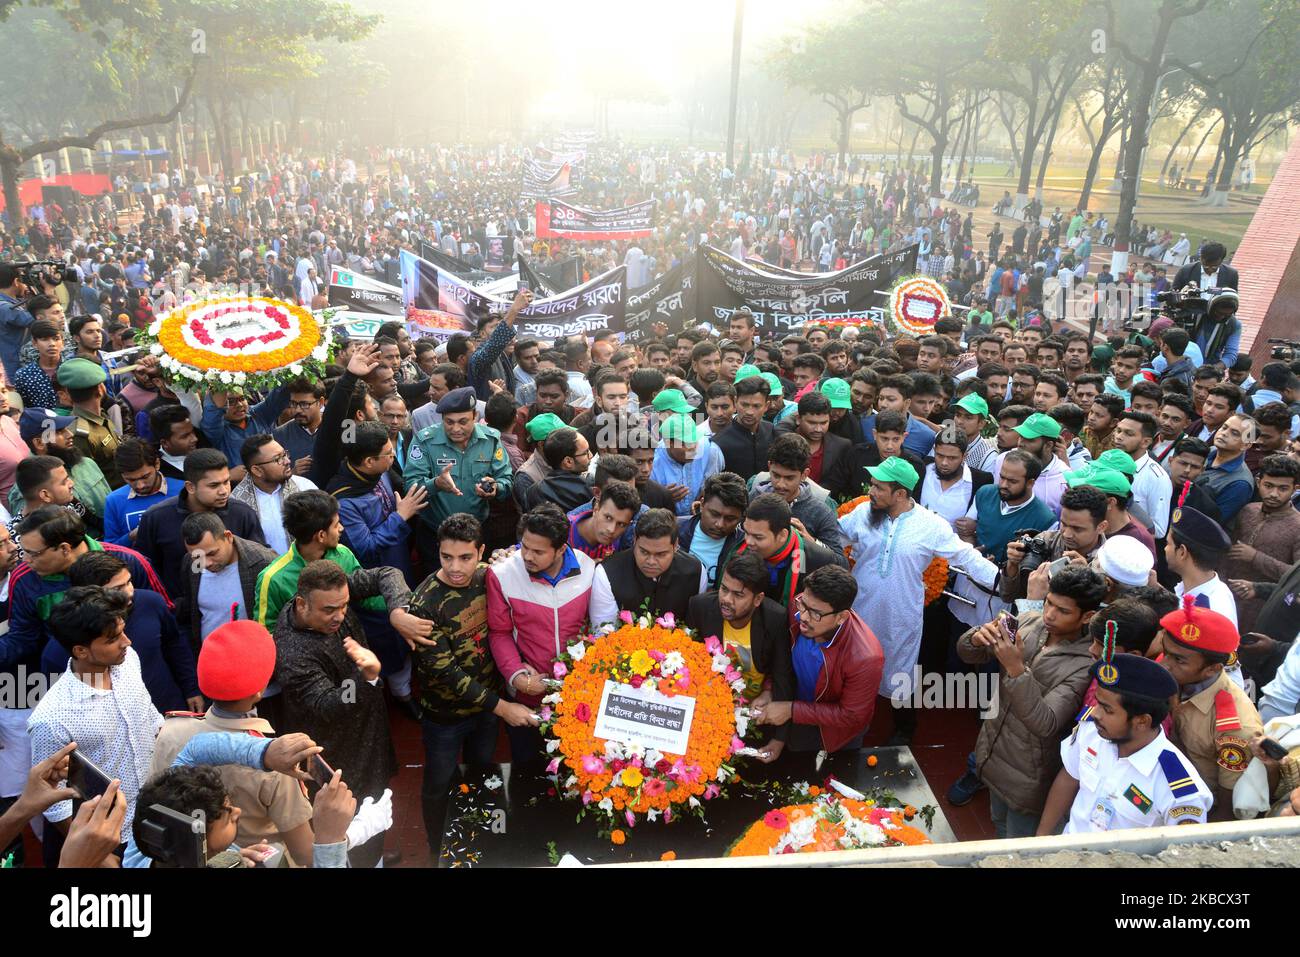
[1035,550]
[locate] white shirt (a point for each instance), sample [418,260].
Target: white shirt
[951,503]
[580,395]
[1152,491]
[271,511]
[1217,593]
[114,727]
[1118,793]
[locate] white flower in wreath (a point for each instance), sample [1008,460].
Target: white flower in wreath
[606,805]
[652,815]
[552,698]
[226,378]
[742,721]
[649,684]
[321,353]
[552,744]
[155,327]
[155,349]
[492,783]
[613,751]
[694,803]
[571,780]
[672,662]
[295,369]
[576,650]
[738,685]
[635,750]
[241,378]
[721,662]
[652,757]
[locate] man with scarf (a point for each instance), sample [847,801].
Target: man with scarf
[376,519]
[892,541]
[790,554]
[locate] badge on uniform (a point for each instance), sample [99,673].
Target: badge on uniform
[500,456]
[1137,798]
[443,463]
[1234,755]
[1102,814]
[1090,757]
[416,452]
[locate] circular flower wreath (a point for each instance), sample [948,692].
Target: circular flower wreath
[245,342]
[916,303]
[625,782]
[829,822]
[935,576]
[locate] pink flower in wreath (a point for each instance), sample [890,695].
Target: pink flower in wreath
[560,669]
[711,792]
[546,712]
[653,787]
[657,655]
[663,765]
[636,681]
[630,818]
[668,621]
[554,766]
[712,645]
[625,617]
[593,764]
[776,820]
[736,744]
[587,797]
[583,711]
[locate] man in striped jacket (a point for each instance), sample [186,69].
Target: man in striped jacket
[537,604]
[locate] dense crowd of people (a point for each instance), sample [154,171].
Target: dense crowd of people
[414,536]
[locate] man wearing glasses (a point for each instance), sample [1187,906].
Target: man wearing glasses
[268,478]
[838,664]
[298,435]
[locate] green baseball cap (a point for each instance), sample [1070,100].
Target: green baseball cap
[774,384]
[972,403]
[894,469]
[1119,460]
[745,371]
[680,428]
[540,426]
[1039,426]
[672,400]
[1099,477]
[837,390]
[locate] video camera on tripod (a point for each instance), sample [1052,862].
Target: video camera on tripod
[1188,308]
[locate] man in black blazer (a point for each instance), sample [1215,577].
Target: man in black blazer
[1209,272]
[739,611]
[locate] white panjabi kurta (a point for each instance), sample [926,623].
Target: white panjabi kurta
[889,560]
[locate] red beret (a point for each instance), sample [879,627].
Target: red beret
[236,661]
[1201,629]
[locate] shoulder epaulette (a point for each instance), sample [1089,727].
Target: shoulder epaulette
[1225,712]
[1080,718]
[1176,775]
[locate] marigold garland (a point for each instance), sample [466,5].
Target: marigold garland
[829,822]
[193,349]
[935,576]
[626,783]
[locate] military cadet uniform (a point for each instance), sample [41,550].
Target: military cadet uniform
[1151,787]
[235,662]
[95,437]
[1213,723]
[484,456]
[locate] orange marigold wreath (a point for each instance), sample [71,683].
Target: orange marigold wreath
[622,782]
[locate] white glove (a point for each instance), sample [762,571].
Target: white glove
[372,817]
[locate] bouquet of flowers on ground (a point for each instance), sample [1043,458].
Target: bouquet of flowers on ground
[833,818]
[626,781]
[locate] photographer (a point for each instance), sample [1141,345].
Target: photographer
[14,317]
[1209,272]
[1082,531]
[1218,332]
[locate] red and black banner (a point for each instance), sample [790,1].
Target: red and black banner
[564,221]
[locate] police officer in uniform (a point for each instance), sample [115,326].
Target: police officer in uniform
[95,438]
[1119,770]
[461,464]
[1214,719]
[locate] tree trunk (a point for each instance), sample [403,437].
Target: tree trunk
[1138,122]
[1047,156]
[1231,146]
[1197,152]
[846,123]
[1117,179]
[911,150]
[9,167]
[1094,163]
[1173,149]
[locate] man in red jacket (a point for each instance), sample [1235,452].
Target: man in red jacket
[838,665]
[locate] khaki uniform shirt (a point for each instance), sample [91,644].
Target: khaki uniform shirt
[96,439]
[1213,728]
[271,803]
